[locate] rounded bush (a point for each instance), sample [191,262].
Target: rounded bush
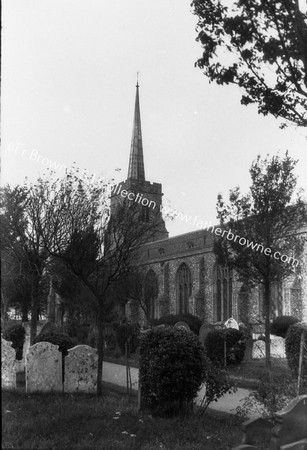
[16,334]
[172,369]
[171,319]
[62,340]
[293,341]
[280,325]
[235,346]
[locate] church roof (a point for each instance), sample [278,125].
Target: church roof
[136,169]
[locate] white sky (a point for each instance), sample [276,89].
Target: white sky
[68,88]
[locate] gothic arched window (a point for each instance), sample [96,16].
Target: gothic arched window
[151,294]
[222,293]
[184,288]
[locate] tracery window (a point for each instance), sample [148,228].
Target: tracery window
[222,293]
[183,288]
[151,294]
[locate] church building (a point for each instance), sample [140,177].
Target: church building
[181,274]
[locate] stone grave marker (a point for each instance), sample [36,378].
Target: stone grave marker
[203,332]
[8,364]
[44,368]
[231,323]
[182,325]
[81,365]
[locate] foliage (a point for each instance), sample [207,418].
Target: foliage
[173,367]
[16,334]
[128,333]
[280,325]
[262,224]
[259,46]
[272,394]
[293,339]
[171,319]
[235,346]
[62,340]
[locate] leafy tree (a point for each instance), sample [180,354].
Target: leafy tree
[260,46]
[98,249]
[21,240]
[269,219]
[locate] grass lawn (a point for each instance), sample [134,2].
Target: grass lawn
[55,421]
[256,368]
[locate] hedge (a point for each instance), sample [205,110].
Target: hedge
[293,340]
[280,325]
[235,346]
[16,334]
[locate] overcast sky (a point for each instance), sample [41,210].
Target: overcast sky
[68,89]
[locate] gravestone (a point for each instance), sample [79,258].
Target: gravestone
[258,350]
[278,347]
[182,325]
[8,364]
[203,332]
[231,323]
[44,368]
[81,365]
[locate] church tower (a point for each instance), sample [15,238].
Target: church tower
[136,188]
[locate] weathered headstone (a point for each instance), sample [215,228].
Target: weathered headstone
[81,369]
[44,368]
[278,347]
[203,332]
[8,364]
[258,350]
[231,323]
[182,325]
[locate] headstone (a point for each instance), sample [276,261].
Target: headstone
[291,424]
[44,368]
[203,332]
[8,361]
[81,365]
[258,350]
[182,325]
[231,323]
[278,347]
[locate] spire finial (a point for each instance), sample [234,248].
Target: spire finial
[136,162]
[137,79]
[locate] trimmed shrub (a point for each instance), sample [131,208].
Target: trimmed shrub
[173,367]
[62,340]
[171,319]
[16,334]
[129,333]
[280,325]
[235,346]
[293,340]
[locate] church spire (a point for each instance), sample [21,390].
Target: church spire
[136,169]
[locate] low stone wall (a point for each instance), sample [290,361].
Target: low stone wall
[8,365]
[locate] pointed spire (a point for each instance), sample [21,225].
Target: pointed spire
[136,169]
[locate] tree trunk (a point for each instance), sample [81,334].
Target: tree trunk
[34,310]
[267,307]
[100,326]
[24,312]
